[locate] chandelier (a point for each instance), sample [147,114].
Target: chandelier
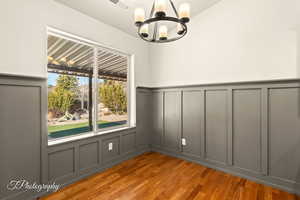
[158,22]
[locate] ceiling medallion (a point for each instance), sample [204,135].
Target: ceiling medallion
[158,21]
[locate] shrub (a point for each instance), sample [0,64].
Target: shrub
[113,96]
[62,97]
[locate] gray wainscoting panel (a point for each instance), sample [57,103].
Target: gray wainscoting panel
[62,164]
[20,134]
[216,126]
[71,161]
[247,129]
[128,143]
[191,122]
[89,155]
[284,139]
[107,154]
[143,117]
[157,118]
[172,121]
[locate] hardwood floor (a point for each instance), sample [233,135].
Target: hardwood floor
[160,177]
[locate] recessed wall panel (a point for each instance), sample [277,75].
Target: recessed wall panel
[20,135]
[61,163]
[88,155]
[191,113]
[128,143]
[216,126]
[110,149]
[247,129]
[284,130]
[157,117]
[172,120]
[143,117]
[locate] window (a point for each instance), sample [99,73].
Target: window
[87,88]
[112,90]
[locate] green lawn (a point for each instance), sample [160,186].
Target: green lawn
[73,129]
[56,128]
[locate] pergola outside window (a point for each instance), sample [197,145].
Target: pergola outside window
[88,88]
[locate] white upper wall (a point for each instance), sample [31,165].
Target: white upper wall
[23,36]
[24,39]
[235,40]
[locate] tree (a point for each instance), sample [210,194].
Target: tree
[113,96]
[62,97]
[67,82]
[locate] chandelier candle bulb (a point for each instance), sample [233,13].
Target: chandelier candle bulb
[160,8]
[163,32]
[184,12]
[139,16]
[145,30]
[180,30]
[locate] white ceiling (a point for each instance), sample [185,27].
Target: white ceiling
[109,13]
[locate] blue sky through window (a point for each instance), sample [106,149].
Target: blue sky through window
[52,77]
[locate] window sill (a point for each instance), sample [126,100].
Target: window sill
[85,135]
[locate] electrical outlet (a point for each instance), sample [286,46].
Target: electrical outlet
[183,141]
[110,146]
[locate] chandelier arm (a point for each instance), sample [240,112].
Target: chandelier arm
[152,10]
[158,19]
[174,9]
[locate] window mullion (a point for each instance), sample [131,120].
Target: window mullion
[95,89]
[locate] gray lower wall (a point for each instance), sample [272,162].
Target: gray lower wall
[247,129]
[22,124]
[72,161]
[69,162]
[24,150]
